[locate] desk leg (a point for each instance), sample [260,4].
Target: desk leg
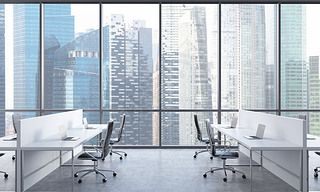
[72,166]
[251,170]
[60,158]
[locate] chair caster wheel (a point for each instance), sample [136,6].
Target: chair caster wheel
[75,175]
[205,175]
[6,175]
[110,153]
[195,156]
[315,175]
[13,158]
[79,181]
[114,174]
[233,171]
[120,158]
[212,171]
[243,177]
[225,179]
[102,159]
[125,154]
[211,158]
[315,170]
[104,180]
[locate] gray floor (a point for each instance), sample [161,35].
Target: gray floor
[160,170]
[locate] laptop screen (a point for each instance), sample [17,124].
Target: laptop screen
[234,122]
[260,131]
[63,132]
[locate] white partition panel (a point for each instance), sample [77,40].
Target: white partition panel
[37,128]
[38,164]
[284,164]
[278,127]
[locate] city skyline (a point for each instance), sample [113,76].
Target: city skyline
[188,65]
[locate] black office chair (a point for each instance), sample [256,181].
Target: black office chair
[199,136]
[118,139]
[94,156]
[224,154]
[5,174]
[15,121]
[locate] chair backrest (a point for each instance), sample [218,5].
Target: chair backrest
[16,121]
[199,135]
[210,132]
[105,144]
[121,127]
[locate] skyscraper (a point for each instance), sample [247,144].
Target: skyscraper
[293,57]
[194,87]
[314,94]
[26,56]
[170,14]
[58,31]
[130,80]
[2,69]
[58,23]
[243,56]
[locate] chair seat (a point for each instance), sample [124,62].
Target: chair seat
[86,156]
[228,155]
[1,154]
[113,141]
[318,153]
[207,140]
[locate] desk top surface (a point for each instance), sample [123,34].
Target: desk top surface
[265,144]
[8,145]
[313,142]
[54,142]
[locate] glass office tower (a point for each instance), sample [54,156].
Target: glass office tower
[194,86]
[2,69]
[26,56]
[130,76]
[293,57]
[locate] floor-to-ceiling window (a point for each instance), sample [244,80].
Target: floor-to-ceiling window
[160,64]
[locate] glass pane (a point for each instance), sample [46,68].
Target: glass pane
[313,53]
[6,121]
[183,132]
[188,56]
[248,56]
[71,56]
[293,57]
[139,128]
[130,56]
[19,56]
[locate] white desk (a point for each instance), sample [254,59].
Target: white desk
[265,144]
[54,143]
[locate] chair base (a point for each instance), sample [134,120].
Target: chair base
[5,174]
[94,170]
[316,171]
[202,151]
[118,153]
[224,168]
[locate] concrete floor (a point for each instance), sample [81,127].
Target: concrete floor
[160,170]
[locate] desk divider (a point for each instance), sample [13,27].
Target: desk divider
[37,128]
[38,164]
[285,164]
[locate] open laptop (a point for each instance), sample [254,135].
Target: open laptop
[86,126]
[63,134]
[233,123]
[259,134]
